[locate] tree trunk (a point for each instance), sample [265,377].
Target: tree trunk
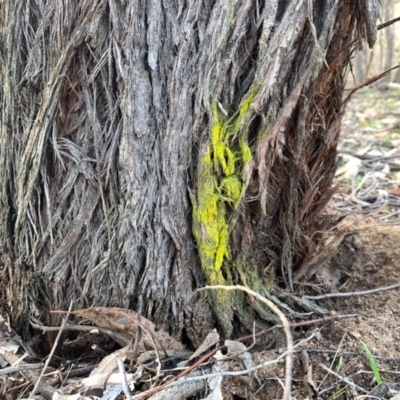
[151,147]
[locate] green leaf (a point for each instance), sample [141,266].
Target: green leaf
[372,363]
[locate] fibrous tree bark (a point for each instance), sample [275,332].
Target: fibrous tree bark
[150,147]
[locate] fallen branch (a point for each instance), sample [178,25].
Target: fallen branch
[351,294]
[193,379]
[241,372]
[352,354]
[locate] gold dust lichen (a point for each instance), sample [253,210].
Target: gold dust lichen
[232,189]
[219,189]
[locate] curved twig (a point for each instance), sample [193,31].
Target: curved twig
[351,294]
[285,324]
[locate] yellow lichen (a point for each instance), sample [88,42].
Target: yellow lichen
[246,151]
[209,217]
[223,155]
[232,188]
[219,189]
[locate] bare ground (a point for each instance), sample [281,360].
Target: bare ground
[374,250]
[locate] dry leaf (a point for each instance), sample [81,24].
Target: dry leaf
[308,379]
[239,350]
[110,363]
[126,322]
[8,346]
[97,384]
[350,169]
[355,334]
[214,383]
[211,339]
[58,396]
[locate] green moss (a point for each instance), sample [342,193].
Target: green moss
[251,279]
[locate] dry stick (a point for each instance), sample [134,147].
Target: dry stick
[385,24]
[125,386]
[183,373]
[18,368]
[367,158]
[157,355]
[352,353]
[75,373]
[350,294]
[285,324]
[390,215]
[298,324]
[241,372]
[52,351]
[223,347]
[384,371]
[367,82]
[333,361]
[343,379]
[116,336]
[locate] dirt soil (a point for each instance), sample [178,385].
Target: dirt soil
[373,250]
